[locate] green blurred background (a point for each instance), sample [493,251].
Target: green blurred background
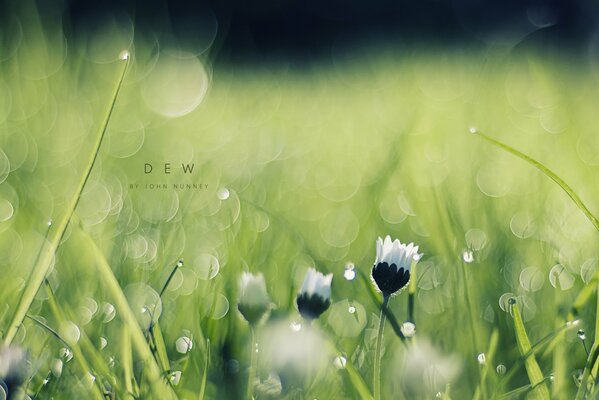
[305,161]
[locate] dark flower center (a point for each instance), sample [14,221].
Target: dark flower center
[389,278]
[311,306]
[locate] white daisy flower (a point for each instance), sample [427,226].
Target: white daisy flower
[394,260]
[315,296]
[254,302]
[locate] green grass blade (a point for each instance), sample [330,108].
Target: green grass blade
[127,364]
[80,359]
[535,375]
[151,368]
[205,377]
[489,355]
[40,269]
[591,359]
[549,173]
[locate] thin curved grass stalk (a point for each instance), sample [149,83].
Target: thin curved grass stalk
[549,173]
[49,329]
[42,264]
[205,377]
[151,368]
[535,375]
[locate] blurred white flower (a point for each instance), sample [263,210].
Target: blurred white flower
[294,354]
[14,369]
[315,296]
[425,371]
[394,260]
[254,302]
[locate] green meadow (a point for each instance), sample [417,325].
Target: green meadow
[295,167]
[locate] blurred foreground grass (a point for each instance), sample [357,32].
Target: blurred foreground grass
[296,168]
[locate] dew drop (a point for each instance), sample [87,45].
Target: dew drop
[175,377]
[66,354]
[581,334]
[340,362]
[56,367]
[481,358]
[103,343]
[501,369]
[223,193]
[468,256]
[109,312]
[351,309]
[350,272]
[184,345]
[180,263]
[124,55]
[472,130]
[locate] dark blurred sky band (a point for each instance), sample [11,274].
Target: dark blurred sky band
[268,29]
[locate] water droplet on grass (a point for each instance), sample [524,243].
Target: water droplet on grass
[223,193]
[184,345]
[175,377]
[481,358]
[581,334]
[468,256]
[66,354]
[501,369]
[350,272]
[340,362]
[109,312]
[351,309]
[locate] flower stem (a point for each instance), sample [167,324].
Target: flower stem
[253,360]
[377,352]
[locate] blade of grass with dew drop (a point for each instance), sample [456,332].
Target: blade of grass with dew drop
[205,376]
[159,385]
[489,356]
[591,358]
[40,268]
[535,375]
[537,347]
[353,375]
[161,353]
[80,359]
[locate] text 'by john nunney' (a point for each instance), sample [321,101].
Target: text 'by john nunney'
[170,170]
